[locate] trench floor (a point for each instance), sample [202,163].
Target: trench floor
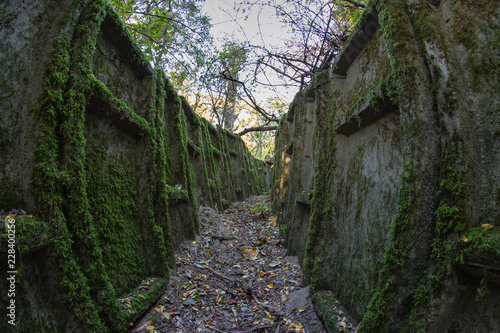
[236,277]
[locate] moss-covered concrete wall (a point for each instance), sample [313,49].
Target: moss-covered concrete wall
[399,221]
[102,168]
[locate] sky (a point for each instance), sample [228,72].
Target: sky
[227,21]
[261,27]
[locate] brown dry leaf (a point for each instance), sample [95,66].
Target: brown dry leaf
[141,296]
[250,253]
[464,239]
[295,327]
[486,226]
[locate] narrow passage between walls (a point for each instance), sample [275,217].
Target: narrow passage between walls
[236,277]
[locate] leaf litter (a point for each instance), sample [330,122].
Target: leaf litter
[235,277]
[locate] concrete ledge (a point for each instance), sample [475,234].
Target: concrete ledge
[188,111]
[125,46]
[359,39]
[193,149]
[101,109]
[303,198]
[366,111]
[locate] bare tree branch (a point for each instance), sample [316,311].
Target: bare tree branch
[258,129]
[254,103]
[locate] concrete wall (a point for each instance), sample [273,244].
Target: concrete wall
[102,167]
[399,176]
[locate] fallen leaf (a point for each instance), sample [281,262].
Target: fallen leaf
[250,253]
[464,239]
[486,226]
[297,327]
[274,264]
[189,302]
[302,310]
[141,296]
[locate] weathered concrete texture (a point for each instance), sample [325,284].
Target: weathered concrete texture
[107,162]
[404,155]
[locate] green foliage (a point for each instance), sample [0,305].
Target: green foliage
[259,207]
[173,34]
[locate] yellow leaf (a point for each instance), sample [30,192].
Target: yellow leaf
[194,242]
[30,216]
[151,328]
[302,310]
[296,326]
[250,253]
[486,226]
[464,239]
[141,296]
[270,285]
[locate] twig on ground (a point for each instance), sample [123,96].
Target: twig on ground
[271,308]
[222,276]
[217,330]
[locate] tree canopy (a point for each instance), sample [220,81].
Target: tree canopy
[221,81]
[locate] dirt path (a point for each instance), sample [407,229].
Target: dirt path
[235,277]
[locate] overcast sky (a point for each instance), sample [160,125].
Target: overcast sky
[261,27]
